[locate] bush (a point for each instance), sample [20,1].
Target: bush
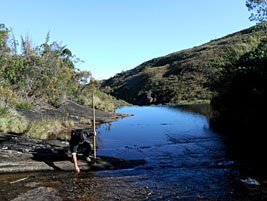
[24,105]
[11,121]
[239,100]
[48,128]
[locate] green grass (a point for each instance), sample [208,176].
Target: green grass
[12,121]
[49,128]
[102,100]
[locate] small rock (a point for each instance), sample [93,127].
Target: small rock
[25,150]
[250,181]
[65,142]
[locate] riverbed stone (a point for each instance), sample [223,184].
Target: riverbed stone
[39,194]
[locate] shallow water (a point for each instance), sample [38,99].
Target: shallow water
[186,160]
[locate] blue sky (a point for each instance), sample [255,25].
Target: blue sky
[115,35]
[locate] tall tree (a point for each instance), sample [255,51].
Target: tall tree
[258,9]
[3,39]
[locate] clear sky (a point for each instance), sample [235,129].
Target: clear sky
[115,35]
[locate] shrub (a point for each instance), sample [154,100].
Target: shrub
[24,105]
[11,121]
[48,128]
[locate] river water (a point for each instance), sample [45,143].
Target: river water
[185,160]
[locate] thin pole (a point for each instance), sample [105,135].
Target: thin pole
[94,130]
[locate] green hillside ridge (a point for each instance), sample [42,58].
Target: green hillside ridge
[181,77]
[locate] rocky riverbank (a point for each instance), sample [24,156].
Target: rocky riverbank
[19,153]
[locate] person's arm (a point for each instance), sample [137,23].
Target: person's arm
[76,167]
[74,150]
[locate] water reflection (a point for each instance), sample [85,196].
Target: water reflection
[203,109]
[153,127]
[107,126]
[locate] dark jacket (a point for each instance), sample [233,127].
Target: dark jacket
[81,140]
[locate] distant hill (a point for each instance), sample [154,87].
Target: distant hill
[181,77]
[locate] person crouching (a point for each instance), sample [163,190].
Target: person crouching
[80,142]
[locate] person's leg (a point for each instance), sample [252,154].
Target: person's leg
[86,150]
[74,150]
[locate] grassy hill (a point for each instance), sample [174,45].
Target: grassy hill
[181,77]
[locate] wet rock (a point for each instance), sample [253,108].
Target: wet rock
[250,181]
[39,194]
[26,155]
[224,164]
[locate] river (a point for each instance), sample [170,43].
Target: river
[185,160]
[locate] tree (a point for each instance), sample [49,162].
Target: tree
[239,99]
[3,39]
[39,74]
[258,10]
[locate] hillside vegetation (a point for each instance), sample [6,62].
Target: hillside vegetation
[183,76]
[42,77]
[239,94]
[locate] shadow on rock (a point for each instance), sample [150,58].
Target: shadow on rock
[111,163]
[49,156]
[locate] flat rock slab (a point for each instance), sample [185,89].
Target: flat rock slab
[21,154]
[73,111]
[24,162]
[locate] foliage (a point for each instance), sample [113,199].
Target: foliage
[48,128]
[258,9]
[44,73]
[240,92]
[11,121]
[3,39]
[42,76]
[7,96]
[22,104]
[102,101]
